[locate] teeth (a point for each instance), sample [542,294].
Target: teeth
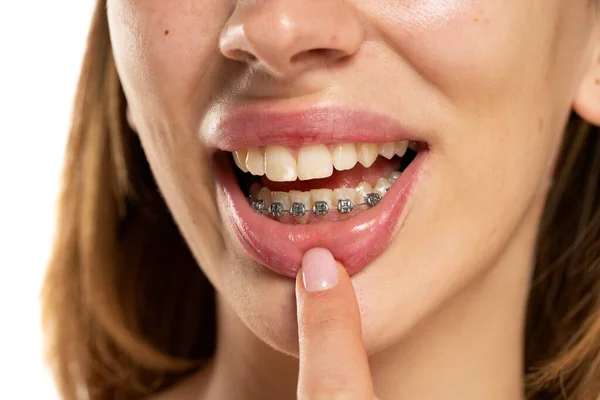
[363,189]
[321,199]
[321,195]
[344,156]
[401,148]
[382,186]
[240,159]
[254,190]
[413,145]
[265,194]
[367,154]
[298,210]
[255,161]
[394,176]
[345,194]
[283,198]
[372,199]
[297,196]
[387,150]
[280,164]
[318,201]
[314,162]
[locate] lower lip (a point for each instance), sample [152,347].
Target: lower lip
[354,242]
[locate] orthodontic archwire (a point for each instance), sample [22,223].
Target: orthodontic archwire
[320,208]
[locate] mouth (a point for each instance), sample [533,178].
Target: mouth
[350,197]
[318,183]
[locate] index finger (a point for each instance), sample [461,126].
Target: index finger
[333,361]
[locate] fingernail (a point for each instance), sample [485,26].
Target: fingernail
[319,270]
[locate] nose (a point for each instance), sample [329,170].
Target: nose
[289,37]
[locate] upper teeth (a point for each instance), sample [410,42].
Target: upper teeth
[284,164]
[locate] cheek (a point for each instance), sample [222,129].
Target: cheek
[427,15]
[491,61]
[459,45]
[164,49]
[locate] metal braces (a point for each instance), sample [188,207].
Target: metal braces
[320,208]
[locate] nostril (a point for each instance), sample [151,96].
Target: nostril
[323,54]
[241,55]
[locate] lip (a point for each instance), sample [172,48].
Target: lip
[251,126]
[355,242]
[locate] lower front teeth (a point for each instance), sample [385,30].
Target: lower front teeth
[320,208]
[319,202]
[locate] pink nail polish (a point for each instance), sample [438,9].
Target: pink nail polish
[319,270]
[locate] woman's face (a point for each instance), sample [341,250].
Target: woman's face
[483,87]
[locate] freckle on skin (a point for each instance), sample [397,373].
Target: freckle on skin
[597,81]
[541,124]
[166,32]
[476,19]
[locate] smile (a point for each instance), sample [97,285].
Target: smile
[338,180]
[295,185]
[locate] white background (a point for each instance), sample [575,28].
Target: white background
[41,46]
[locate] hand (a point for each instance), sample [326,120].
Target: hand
[333,361]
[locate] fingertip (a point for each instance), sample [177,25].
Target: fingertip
[319,270]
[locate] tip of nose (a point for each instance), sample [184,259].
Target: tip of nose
[287,39]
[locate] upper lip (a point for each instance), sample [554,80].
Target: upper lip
[252,127]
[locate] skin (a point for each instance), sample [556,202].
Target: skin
[490,84]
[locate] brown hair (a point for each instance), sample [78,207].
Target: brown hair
[127,312]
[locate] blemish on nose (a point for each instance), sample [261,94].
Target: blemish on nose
[334,39]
